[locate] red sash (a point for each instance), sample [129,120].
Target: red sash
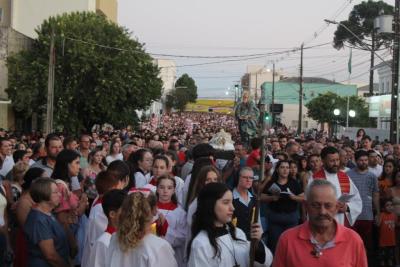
[344,180]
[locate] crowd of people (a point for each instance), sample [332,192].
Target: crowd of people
[164,195]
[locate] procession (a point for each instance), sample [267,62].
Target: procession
[193,134]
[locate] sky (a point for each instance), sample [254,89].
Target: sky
[258,31]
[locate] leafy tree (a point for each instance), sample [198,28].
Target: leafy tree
[361,23]
[187,84]
[321,109]
[93,84]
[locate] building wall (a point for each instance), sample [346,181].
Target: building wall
[385,87]
[168,77]
[5,13]
[109,8]
[10,42]
[27,15]
[290,117]
[256,75]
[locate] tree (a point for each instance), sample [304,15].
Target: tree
[187,84]
[185,92]
[321,109]
[361,23]
[363,36]
[178,99]
[93,84]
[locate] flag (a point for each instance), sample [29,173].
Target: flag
[349,63]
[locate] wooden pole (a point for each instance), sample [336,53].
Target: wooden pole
[256,211]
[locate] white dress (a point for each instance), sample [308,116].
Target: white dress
[151,252]
[202,253]
[176,232]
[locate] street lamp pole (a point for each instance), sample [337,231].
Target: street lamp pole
[394,137]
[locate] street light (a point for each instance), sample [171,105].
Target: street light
[336,112]
[352,113]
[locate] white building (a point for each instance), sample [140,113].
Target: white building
[255,76]
[168,76]
[380,105]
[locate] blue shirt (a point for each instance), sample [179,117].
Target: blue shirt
[367,185]
[38,227]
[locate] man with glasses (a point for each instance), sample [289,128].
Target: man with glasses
[320,241]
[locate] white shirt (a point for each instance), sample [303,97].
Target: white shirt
[377,170]
[152,251]
[96,226]
[111,158]
[99,251]
[176,232]
[202,253]
[141,179]
[8,164]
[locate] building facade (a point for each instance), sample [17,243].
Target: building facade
[287,93]
[380,105]
[18,21]
[254,77]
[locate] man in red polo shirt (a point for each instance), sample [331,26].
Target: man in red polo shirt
[321,241]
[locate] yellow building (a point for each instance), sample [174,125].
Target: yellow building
[109,8]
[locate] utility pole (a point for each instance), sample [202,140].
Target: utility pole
[50,87]
[273,94]
[371,70]
[395,76]
[255,93]
[299,127]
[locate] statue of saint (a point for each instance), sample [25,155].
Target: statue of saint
[247,115]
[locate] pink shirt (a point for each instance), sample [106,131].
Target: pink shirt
[295,249]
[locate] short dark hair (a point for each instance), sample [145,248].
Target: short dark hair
[360,153]
[68,140]
[203,150]
[365,137]
[328,150]
[112,201]
[255,143]
[18,155]
[51,137]
[41,189]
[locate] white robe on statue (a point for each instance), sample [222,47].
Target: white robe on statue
[176,233]
[151,252]
[355,203]
[202,253]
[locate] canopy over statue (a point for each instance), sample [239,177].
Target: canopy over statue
[247,115]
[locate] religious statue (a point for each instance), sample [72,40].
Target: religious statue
[247,115]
